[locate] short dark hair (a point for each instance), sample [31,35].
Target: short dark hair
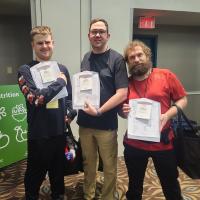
[93,21]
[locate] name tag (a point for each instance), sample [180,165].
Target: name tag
[52,105]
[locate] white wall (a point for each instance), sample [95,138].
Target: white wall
[178,50]
[118,15]
[64,19]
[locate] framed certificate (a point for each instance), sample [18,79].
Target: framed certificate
[144,120]
[85,88]
[44,74]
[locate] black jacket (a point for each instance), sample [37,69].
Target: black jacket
[42,121]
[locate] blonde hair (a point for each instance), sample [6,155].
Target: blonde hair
[42,30]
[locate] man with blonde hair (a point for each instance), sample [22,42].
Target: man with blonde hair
[46,120]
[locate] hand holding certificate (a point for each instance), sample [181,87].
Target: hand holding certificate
[45,73]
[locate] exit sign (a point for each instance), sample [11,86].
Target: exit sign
[146,22]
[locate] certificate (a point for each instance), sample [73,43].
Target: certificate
[85,83]
[44,74]
[47,75]
[144,120]
[143,110]
[85,88]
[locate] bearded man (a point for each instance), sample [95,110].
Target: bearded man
[162,86]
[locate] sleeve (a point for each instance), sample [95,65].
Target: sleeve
[71,113]
[34,95]
[85,65]
[177,90]
[121,76]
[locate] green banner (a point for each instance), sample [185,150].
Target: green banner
[13,125]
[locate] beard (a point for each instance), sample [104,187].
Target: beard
[139,69]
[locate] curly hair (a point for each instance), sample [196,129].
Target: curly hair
[135,43]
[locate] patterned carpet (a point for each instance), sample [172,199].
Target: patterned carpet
[11,184]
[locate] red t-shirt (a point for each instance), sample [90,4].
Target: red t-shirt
[164,87]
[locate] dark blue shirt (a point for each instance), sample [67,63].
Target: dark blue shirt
[111,68]
[43,122]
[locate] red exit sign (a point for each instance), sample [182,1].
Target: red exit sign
[146,22]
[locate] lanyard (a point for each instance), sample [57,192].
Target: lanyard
[145,89]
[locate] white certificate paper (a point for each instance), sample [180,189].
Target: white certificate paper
[85,83]
[45,73]
[144,120]
[85,88]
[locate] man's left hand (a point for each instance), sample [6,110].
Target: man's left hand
[163,120]
[67,120]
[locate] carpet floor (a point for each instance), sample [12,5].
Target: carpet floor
[12,188]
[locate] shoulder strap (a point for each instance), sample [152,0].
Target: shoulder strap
[182,115]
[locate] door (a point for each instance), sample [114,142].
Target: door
[151,42]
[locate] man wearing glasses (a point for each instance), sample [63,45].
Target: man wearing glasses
[98,127]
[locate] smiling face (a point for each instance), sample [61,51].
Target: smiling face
[98,36]
[42,46]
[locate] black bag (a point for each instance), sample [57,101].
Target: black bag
[75,165]
[187,144]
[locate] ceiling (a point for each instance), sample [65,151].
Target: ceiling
[22,8]
[15,7]
[165,17]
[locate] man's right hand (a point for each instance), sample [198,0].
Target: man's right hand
[62,75]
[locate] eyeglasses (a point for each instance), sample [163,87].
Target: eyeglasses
[100,32]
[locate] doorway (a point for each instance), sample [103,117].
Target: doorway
[15,25]
[151,42]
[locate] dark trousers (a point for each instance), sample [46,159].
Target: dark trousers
[165,164]
[45,155]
